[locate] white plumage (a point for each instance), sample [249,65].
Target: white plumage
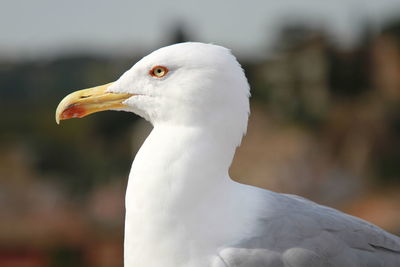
[182,208]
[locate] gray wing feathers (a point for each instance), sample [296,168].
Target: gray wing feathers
[310,235]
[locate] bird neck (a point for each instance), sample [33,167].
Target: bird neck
[184,157]
[179,190]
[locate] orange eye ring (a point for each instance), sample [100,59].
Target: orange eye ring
[158,71]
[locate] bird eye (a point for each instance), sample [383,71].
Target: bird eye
[158,71]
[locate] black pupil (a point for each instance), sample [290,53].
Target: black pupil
[159,70]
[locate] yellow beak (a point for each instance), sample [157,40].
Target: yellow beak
[84,102]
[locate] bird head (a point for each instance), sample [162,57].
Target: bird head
[188,84]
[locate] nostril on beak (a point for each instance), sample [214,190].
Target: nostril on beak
[85,96]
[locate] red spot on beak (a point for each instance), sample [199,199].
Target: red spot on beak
[73,111]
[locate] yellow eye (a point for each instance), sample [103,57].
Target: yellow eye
[158,71]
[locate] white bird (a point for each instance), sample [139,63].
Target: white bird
[182,208]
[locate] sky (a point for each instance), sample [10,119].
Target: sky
[40,28]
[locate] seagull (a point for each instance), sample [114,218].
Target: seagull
[182,207]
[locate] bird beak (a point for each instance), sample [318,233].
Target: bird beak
[84,102]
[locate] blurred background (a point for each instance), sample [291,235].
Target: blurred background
[325,122]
